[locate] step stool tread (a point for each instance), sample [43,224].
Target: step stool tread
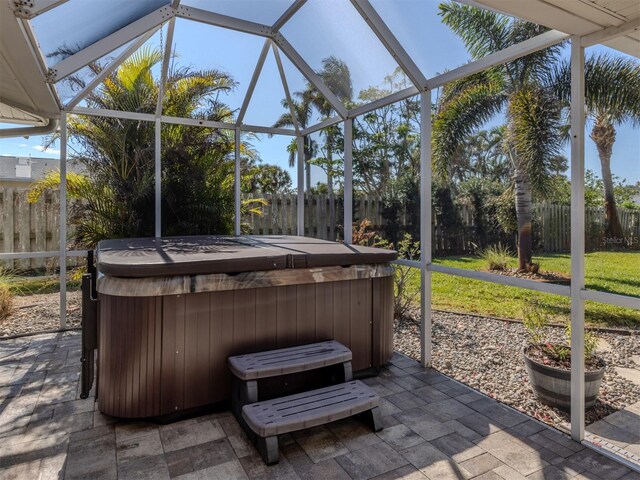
[309,409]
[284,361]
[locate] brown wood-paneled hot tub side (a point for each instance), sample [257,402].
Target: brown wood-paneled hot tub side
[164,340]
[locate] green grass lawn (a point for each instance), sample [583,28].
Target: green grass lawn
[606,271]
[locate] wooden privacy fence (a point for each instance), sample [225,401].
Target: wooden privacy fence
[323,219]
[26,227]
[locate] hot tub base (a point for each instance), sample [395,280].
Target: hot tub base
[167,354]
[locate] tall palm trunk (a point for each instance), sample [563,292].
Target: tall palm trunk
[330,163]
[307,162]
[604,136]
[332,204]
[523,215]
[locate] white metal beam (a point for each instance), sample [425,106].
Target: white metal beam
[32,42]
[285,86]
[300,153]
[501,279]
[391,43]
[195,122]
[577,239]
[158,177]
[310,74]
[542,41]
[348,181]
[106,71]
[30,9]
[624,301]
[610,33]
[236,194]
[109,43]
[62,255]
[218,20]
[29,255]
[166,59]
[254,81]
[319,126]
[383,102]
[269,130]
[290,12]
[98,112]
[425,228]
[523,283]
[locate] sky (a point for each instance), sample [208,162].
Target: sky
[317,33]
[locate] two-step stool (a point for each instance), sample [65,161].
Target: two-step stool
[265,420]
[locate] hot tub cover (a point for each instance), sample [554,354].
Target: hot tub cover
[193,255]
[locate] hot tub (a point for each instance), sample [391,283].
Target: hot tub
[171,310]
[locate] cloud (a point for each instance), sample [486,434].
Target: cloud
[50,151]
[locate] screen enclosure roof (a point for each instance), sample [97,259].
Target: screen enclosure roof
[43,42]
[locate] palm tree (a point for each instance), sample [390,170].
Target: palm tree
[197,171]
[532,137]
[337,77]
[302,109]
[612,98]
[531,89]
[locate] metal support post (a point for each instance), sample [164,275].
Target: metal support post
[158,178]
[577,238]
[425,228]
[348,180]
[237,198]
[63,220]
[301,166]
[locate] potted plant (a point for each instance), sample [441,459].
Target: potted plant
[548,364]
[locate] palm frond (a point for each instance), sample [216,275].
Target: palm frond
[612,87]
[482,31]
[459,115]
[535,133]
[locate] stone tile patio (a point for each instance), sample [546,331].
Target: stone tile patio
[435,428]
[619,433]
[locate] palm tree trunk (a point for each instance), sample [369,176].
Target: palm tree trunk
[332,203]
[307,164]
[523,214]
[604,135]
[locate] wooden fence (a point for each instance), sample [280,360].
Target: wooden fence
[323,219]
[28,227]
[35,227]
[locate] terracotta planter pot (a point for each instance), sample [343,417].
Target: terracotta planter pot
[552,386]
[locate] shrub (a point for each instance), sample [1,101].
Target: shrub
[534,321]
[362,234]
[496,257]
[6,302]
[590,341]
[405,294]
[6,296]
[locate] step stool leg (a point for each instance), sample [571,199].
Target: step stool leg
[244,393]
[374,418]
[348,372]
[268,448]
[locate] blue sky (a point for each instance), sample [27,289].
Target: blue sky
[316,33]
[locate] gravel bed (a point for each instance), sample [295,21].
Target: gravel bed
[41,312]
[485,354]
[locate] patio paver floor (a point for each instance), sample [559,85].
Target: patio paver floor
[435,428]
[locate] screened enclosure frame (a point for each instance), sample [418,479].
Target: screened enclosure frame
[141,30]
